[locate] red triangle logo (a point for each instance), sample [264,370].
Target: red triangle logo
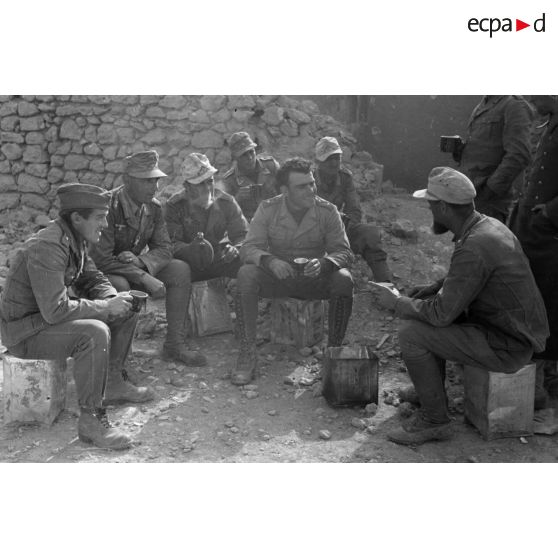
[519,25]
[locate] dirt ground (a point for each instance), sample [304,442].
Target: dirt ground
[199,416]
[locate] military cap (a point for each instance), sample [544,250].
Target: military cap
[82,196]
[447,184]
[327,146]
[196,168]
[239,143]
[144,164]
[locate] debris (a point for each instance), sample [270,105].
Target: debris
[305,351]
[325,434]
[371,409]
[358,423]
[382,341]
[299,392]
[272,413]
[251,394]
[523,440]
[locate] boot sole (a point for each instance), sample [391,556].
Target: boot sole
[441,437]
[129,401]
[193,364]
[87,440]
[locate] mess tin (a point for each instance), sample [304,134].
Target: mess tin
[139,300]
[450,144]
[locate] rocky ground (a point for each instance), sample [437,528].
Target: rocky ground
[199,416]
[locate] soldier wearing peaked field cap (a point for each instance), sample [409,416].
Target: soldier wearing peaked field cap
[251,179]
[487,312]
[57,304]
[335,184]
[136,221]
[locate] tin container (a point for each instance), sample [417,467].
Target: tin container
[350,376]
[297,322]
[209,310]
[450,144]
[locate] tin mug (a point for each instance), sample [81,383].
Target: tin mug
[299,265]
[450,144]
[139,300]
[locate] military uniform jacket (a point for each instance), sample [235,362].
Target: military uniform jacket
[36,292]
[130,232]
[274,232]
[222,222]
[497,148]
[266,167]
[342,194]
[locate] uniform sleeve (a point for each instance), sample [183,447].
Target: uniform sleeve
[518,119]
[93,283]
[256,244]
[465,280]
[160,250]
[46,266]
[352,204]
[175,229]
[337,245]
[237,227]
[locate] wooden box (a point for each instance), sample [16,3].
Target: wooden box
[350,375]
[297,322]
[500,405]
[208,310]
[34,390]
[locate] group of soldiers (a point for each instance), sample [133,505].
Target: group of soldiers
[68,290]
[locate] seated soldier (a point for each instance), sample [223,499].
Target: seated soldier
[295,224]
[42,319]
[251,179]
[335,184]
[135,221]
[486,313]
[205,224]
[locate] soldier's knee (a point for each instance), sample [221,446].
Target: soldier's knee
[176,273]
[410,337]
[94,335]
[342,283]
[119,283]
[247,278]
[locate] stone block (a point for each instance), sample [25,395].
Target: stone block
[207,139]
[155,112]
[76,162]
[12,151]
[35,154]
[155,137]
[241,102]
[27,109]
[9,108]
[34,390]
[273,115]
[11,137]
[35,138]
[212,103]
[297,322]
[28,183]
[8,123]
[35,201]
[32,123]
[298,116]
[70,130]
[37,169]
[7,182]
[221,115]
[172,101]
[106,134]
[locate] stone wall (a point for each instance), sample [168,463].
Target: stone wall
[47,140]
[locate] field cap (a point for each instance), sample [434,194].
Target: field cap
[239,143]
[327,146]
[144,164]
[82,196]
[447,184]
[196,168]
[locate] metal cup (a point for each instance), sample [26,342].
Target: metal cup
[450,144]
[299,264]
[139,300]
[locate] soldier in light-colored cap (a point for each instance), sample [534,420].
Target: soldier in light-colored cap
[196,168]
[486,313]
[135,222]
[334,183]
[251,179]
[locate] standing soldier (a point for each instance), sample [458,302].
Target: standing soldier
[251,179]
[335,184]
[202,208]
[56,304]
[135,221]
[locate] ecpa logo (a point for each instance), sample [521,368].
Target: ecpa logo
[492,25]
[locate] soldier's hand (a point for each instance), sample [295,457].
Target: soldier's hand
[230,252]
[153,286]
[280,268]
[423,291]
[129,258]
[540,208]
[313,268]
[120,305]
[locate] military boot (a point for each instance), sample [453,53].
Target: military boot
[431,421]
[541,395]
[94,428]
[119,390]
[246,368]
[379,267]
[340,309]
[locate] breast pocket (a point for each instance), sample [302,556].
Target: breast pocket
[491,128]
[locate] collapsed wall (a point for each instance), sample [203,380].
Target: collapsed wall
[47,140]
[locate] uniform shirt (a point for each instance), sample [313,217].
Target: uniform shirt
[36,293]
[222,222]
[342,193]
[274,232]
[133,230]
[489,280]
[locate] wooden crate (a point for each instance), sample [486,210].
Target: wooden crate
[208,310]
[297,322]
[34,390]
[350,375]
[500,405]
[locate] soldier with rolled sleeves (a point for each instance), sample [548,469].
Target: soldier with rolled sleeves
[135,221]
[334,183]
[496,151]
[251,179]
[57,304]
[295,224]
[202,208]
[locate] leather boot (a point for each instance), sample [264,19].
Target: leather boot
[340,309]
[246,368]
[119,390]
[551,378]
[380,271]
[541,396]
[431,421]
[94,428]
[175,347]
